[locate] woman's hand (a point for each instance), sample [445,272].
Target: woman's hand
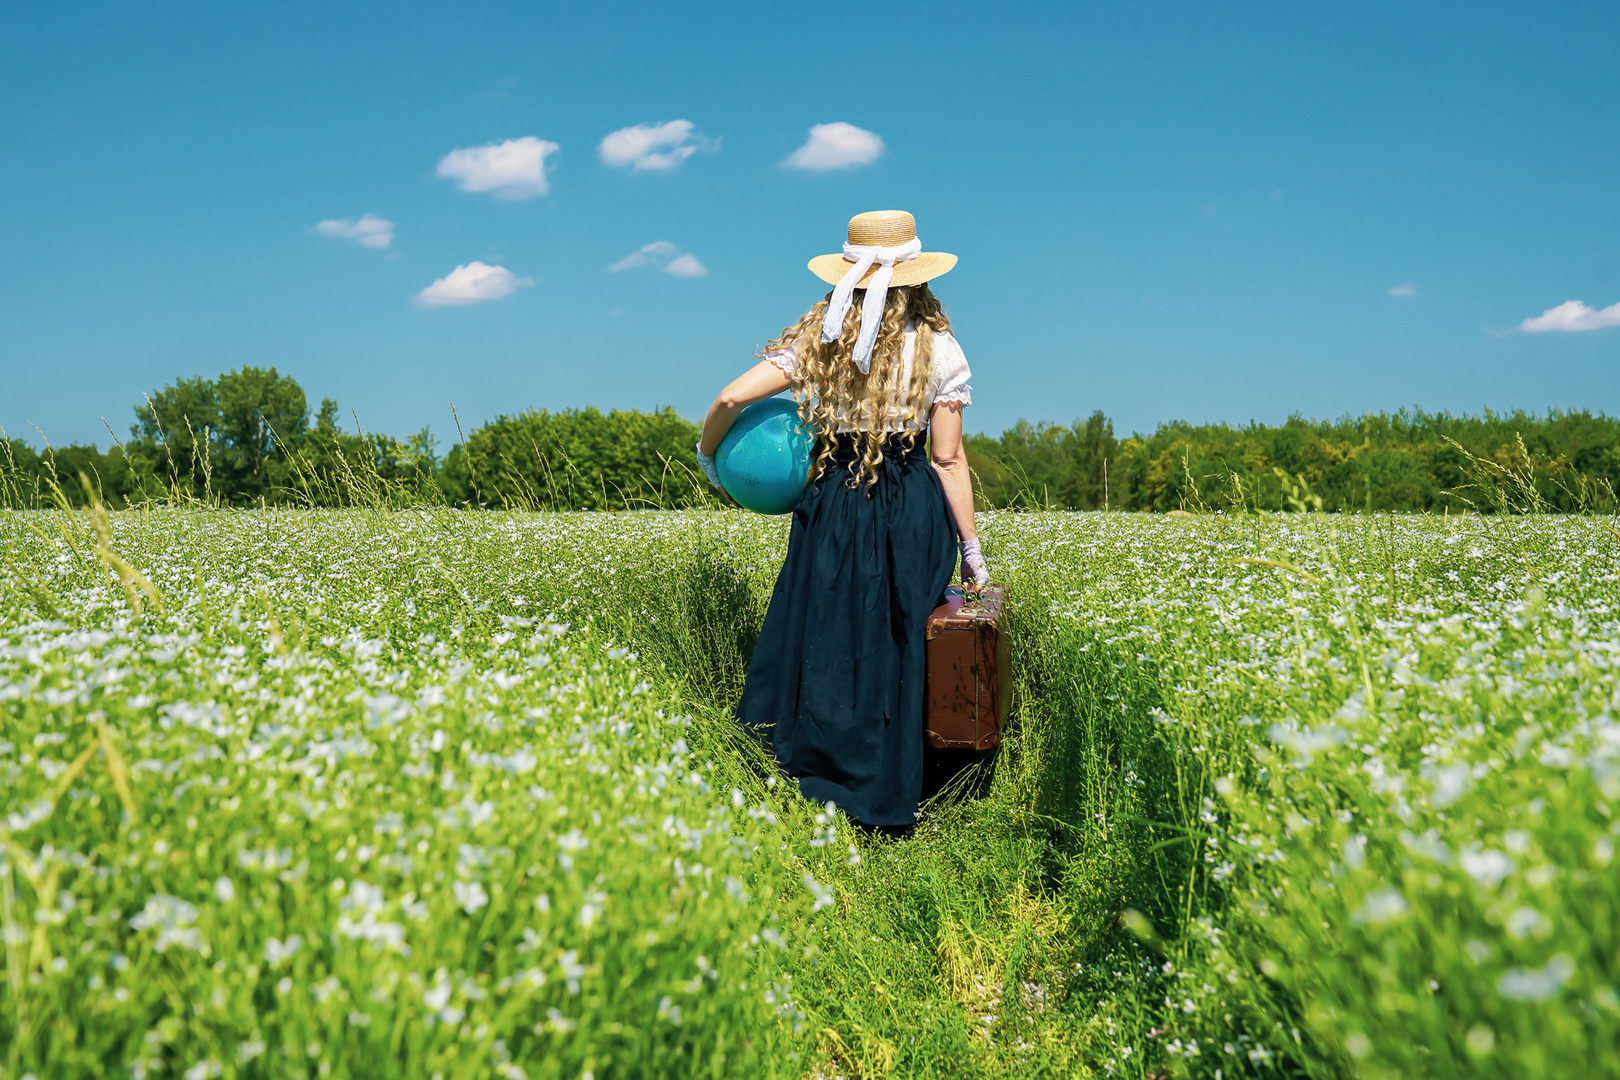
[973,568]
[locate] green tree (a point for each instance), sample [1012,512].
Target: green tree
[326,421]
[262,414]
[224,438]
[1037,465]
[583,459]
[174,432]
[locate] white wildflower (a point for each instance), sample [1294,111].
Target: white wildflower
[277,952]
[1536,984]
[572,970]
[1527,921]
[470,895]
[172,919]
[1381,906]
[1451,783]
[1488,868]
[822,893]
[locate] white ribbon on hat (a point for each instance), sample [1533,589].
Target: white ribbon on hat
[877,291]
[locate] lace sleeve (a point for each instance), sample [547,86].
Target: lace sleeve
[951,372]
[786,359]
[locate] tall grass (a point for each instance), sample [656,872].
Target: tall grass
[373,728]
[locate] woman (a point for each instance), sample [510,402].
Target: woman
[836,682]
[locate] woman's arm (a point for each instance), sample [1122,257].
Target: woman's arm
[950,461]
[759,382]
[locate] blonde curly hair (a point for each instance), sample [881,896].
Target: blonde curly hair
[831,390]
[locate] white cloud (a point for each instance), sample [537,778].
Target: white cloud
[370,231]
[653,147]
[1572,315]
[514,169]
[686,266]
[648,254]
[666,256]
[1404,290]
[836,146]
[471,284]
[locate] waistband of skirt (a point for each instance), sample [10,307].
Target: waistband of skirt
[846,449]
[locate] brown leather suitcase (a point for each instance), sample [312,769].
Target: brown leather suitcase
[969,671]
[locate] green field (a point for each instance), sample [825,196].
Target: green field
[452,794]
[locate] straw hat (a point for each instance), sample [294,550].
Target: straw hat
[883,228]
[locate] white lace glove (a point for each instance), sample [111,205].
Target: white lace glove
[706,463]
[973,563]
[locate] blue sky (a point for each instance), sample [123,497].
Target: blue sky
[1206,212]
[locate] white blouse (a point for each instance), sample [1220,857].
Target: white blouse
[948,380]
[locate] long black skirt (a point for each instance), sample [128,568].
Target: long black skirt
[835,686]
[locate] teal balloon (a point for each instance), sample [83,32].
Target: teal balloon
[764,460]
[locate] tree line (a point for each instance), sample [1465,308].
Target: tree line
[1410,460]
[250,438]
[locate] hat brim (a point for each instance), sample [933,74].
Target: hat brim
[925,267]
